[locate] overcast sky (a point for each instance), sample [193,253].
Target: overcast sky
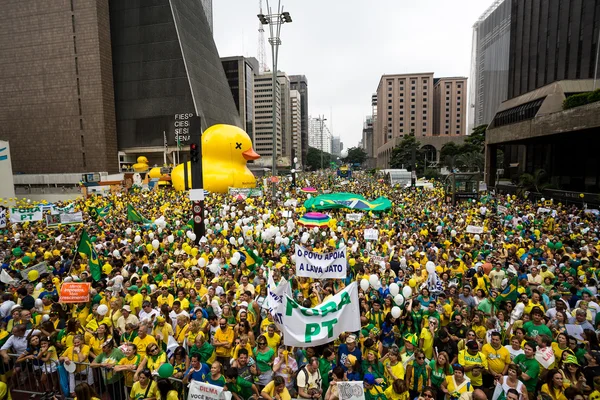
[344,46]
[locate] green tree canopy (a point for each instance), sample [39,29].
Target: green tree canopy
[313,159]
[356,155]
[402,154]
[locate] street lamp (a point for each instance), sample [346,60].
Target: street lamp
[274,20]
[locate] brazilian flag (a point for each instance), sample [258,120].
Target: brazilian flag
[103,211]
[252,260]
[86,248]
[509,293]
[134,216]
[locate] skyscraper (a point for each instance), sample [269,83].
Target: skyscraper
[319,135]
[296,114]
[112,81]
[300,83]
[489,62]
[240,76]
[263,117]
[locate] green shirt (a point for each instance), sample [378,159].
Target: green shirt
[486,306]
[113,358]
[531,367]
[204,352]
[263,359]
[241,387]
[533,330]
[437,374]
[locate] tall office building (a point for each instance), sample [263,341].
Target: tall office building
[404,106]
[367,136]
[489,62]
[286,117]
[263,117]
[300,83]
[208,12]
[240,73]
[551,41]
[319,135]
[296,119]
[450,106]
[336,145]
[99,77]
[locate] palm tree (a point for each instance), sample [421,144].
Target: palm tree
[533,182]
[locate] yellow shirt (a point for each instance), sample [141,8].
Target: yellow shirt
[224,336]
[137,392]
[273,342]
[397,370]
[465,359]
[270,390]
[557,395]
[155,362]
[143,343]
[85,351]
[497,359]
[427,343]
[452,387]
[238,347]
[135,360]
[136,303]
[169,299]
[96,344]
[391,394]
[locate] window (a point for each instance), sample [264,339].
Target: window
[424,87]
[412,124]
[401,94]
[389,82]
[458,92]
[457,108]
[412,106]
[458,132]
[413,112]
[389,88]
[401,112]
[401,123]
[424,124]
[459,85]
[389,113]
[424,118]
[389,100]
[424,93]
[447,109]
[413,100]
[389,95]
[424,105]
[447,98]
[390,125]
[389,107]
[401,101]
[401,118]
[424,112]
[447,115]
[447,92]
[413,82]
[424,99]
[389,118]
[412,118]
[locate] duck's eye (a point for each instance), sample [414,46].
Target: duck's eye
[238,145]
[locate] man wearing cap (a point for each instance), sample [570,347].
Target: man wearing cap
[536,326]
[530,368]
[127,317]
[474,362]
[348,348]
[135,299]
[372,389]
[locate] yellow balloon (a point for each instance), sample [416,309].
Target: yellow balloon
[224,232]
[412,282]
[352,262]
[223,161]
[33,275]
[149,247]
[284,260]
[194,252]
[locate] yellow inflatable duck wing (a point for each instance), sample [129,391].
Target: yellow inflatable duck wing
[225,151]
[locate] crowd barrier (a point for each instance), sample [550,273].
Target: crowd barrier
[43,381]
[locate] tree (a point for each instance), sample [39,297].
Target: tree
[356,155]
[402,154]
[533,182]
[476,140]
[313,159]
[472,161]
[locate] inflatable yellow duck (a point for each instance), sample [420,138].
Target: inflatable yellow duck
[142,164]
[225,151]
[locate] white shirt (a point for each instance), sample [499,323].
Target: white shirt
[5,308]
[513,352]
[18,344]
[148,315]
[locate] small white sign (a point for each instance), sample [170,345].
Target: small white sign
[371,234]
[196,194]
[474,229]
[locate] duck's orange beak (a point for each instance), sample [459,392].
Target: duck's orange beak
[250,154]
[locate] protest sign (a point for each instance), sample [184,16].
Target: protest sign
[3,218]
[41,268]
[543,210]
[275,297]
[371,234]
[245,192]
[205,391]
[20,215]
[502,210]
[474,229]
[321,265]
[354,217]
[324,323]
[351,390]
[74,292]
[64,219]
[377,260]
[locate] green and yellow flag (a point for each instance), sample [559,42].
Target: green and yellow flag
[86,249]
[103,211]
[134,216]
[509,293]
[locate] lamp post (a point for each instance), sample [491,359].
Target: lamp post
[274,20]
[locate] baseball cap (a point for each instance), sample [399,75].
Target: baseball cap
[370,379]
[243,304]
[127,308]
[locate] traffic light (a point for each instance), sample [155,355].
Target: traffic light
[194,154]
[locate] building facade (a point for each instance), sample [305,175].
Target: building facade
[263,117]
[489,62]
[296,119]
[300,83]
[286,118]
[98,79]
[551,41]
[450,106]
[336,146]
[319,135]
[240,73]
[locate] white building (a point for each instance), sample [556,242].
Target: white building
[296,114]
[319,135]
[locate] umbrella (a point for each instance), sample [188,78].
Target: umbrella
[309,190]
[312,219]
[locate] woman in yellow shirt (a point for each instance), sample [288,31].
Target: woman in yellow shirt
[554,386]
[166,390]
[457,384]
[144,388]
[129,365]
[155,357]
[162,331]
[397,391]
[182,327]
[77,353]
[392,366]
[97,339]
